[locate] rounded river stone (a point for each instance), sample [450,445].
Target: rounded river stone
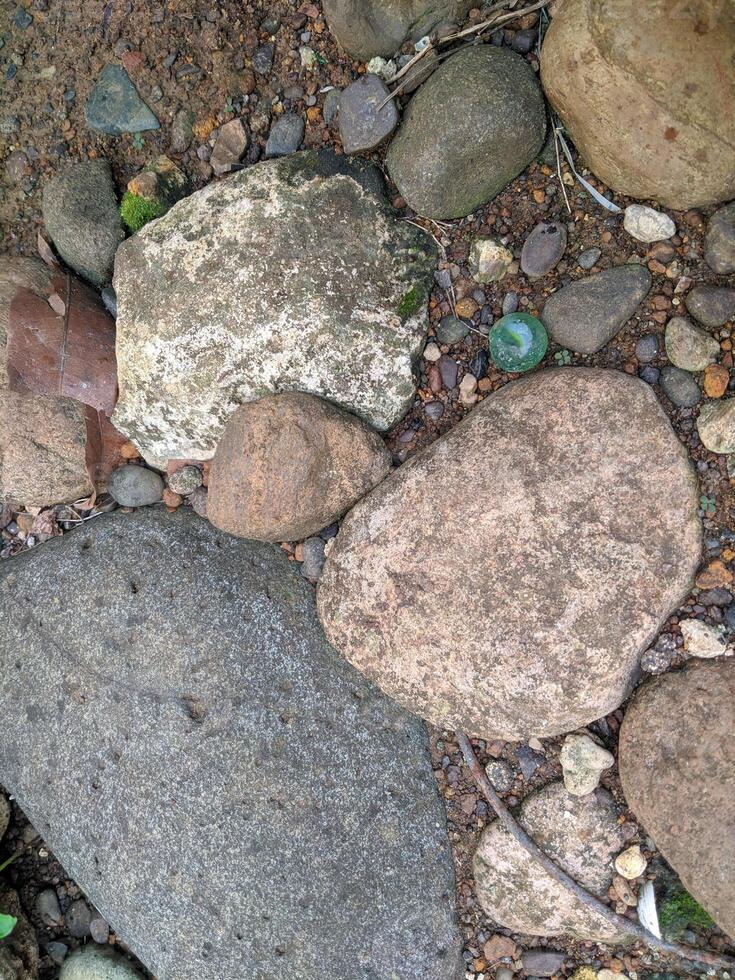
[524,607]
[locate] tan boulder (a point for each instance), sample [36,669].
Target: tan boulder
[613,73]
[581,834]
[289,465]
[677,767]
[506,580]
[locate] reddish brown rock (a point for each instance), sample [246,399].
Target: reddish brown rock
[289,465]
[506,580]
[612,72]
[677,766]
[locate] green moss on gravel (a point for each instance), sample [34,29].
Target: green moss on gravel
[137,211]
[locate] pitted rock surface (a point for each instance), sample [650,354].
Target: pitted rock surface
[523,608]
[677,767]
[294,274]
[216,761]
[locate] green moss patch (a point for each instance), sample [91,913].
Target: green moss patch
[137,211]
[679,912]
[410,303]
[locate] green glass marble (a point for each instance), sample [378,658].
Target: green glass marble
[518,342]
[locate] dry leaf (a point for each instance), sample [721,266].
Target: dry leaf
[104,448]
[44,250]
[72,355]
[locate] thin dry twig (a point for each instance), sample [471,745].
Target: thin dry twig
[558,168]
[593,903]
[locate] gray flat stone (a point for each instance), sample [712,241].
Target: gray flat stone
[135,486]
[216,761]
[587,314]
[680,387]
[114,106]
[543,249]
[366,119]
[285,136]
[719,243]
[711,305]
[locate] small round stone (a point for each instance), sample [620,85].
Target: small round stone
[647,348]
[630,863]
[135,486]
[185,480]
[647,225]
[500,774]
[451,330]
[689,347]
[679,387]
[489,260]
[543,249]
[588,258]
[583,761]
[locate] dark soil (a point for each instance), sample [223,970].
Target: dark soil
[196,54]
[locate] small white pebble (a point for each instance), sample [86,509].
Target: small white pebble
[432,352]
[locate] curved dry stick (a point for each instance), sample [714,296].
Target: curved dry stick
[593,903]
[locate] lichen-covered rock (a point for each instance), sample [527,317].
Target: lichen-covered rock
[469,130]
[524,607]
[293,274]
[366,28]
[581,834]
[216,761]
[289,465]
[81,216]
[677,767]
[42,438]
[613,73]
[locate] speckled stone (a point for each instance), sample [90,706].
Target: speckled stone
[711,305]
[251,784]
[679,387]
[114,106]
[366,119]
[216,307]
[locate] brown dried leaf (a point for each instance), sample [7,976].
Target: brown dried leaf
[70,354]
[44,250]
[103,449]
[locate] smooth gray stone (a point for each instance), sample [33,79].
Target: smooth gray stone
[588,313]
[711,305]
[285,136]
[135,486]
[367,115]
[114,106]
[234,797]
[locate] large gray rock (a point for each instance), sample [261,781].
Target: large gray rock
[523,608]
[588,313]
[677,767]
[581,834]
[365,28]
[81,216]
[231,772]
[469,130]
[294,274]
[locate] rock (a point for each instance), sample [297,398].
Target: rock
[344,316]
[612,72]
[581,834]
[630,864]
[289,465]
[703,640]
[711,305]
[367,115]
[114,106]
[719,243]
[680,387]
[542,962]
[185,480]
[588,258]
[366,28]
[232,141]
[57,952]
[19,959]
[110,300]
[482,104]
[646,348]
[499,947]
[262,60]
[250,730]
[48,908]
[152,192]
[588,313]
[286,135]
[489,261]
[99,930]
[331,105]
[583,761]
[676,759]
[510,303]
[716,426]
[590,598]
[688,347]
[501,775]
[5,813]
[81,216]
[135,486]
[716,380]
[98,963]
[17,166]
[450,331]
[314,558]
[78,918]
[543,249]
[182,130]
[647,225]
